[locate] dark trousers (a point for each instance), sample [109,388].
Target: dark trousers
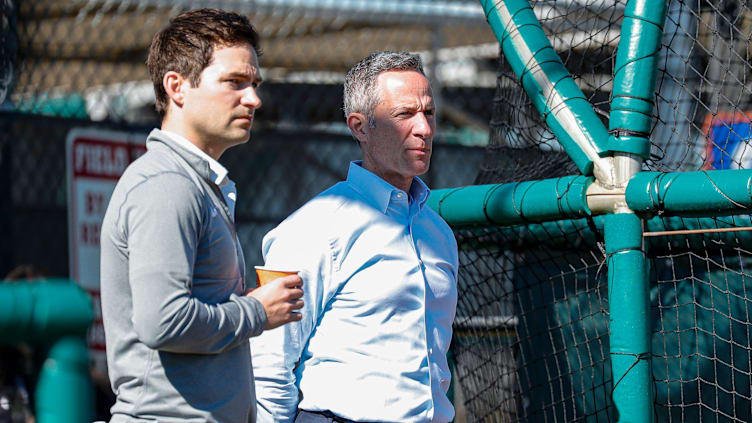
[319,417]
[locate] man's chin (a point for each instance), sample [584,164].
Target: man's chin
[242,138]
[422,168]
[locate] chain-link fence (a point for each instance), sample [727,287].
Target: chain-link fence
[80,63]
[275,173]
[85,58]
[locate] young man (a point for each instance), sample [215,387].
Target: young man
[380,271]
[177,314]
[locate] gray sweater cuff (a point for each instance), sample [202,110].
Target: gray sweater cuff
[253,312]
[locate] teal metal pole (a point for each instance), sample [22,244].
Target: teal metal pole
[635,71]
[64,392]
[556,96]
[709,193]
[629,314]
[513,203]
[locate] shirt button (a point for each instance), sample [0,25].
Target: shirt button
[430,350]
[400,195]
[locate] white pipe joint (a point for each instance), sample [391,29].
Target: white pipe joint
[608,193]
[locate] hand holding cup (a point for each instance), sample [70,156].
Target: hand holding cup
[280,292]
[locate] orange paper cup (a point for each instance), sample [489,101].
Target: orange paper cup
[265,275]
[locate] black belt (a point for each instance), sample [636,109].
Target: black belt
[330,415]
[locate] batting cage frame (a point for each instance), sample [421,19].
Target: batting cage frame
[613,204]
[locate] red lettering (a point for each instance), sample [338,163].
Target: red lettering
[102,159]
[95,203]
[89,203]
[90,234]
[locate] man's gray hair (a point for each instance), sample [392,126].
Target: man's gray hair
[360,94]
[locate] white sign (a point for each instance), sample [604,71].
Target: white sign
[95,159]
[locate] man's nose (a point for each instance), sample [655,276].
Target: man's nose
[251,99]
[423,126]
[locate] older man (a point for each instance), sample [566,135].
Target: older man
[379,268]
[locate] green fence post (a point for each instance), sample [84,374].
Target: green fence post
[629,314]
[43,311]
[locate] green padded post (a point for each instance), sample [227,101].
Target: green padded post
[635,71]
[629,318]
[513,203]
[708,193]
[548,83]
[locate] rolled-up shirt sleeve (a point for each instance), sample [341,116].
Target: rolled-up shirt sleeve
[276,353]
[162,220]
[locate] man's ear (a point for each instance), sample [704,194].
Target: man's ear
[358,124]
[173,84]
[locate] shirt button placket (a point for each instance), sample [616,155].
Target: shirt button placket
[429,350]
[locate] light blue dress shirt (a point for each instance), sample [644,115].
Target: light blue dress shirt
[379,273]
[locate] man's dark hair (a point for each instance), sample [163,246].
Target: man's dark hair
[187,45]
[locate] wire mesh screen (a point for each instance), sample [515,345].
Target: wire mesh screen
[702,108]
[702,366]
[531,338]
[531,335]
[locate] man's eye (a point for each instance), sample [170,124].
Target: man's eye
[430,113]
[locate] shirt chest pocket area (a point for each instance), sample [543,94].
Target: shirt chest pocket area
[217,255]
[391,284]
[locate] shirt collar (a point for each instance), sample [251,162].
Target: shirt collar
[378,191]
[218,172]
